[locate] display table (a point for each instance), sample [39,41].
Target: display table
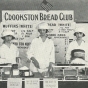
[71,72]
[62,74]
[62,83]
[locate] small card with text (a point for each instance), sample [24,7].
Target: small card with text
[32,83]
[50,83]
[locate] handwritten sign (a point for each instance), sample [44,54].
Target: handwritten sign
[50,83]
[32,83]
[14,83]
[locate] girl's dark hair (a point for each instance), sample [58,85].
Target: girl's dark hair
[40,29]
[76,32]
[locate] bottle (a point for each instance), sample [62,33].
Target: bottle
[30,69]
[15,71]
[18,59]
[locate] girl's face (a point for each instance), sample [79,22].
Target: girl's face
[42,31]
[79,35]
[8,38]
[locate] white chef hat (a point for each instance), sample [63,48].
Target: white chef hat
[43,25]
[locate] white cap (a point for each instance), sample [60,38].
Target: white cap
[79,30]
[43,25]
[6,33]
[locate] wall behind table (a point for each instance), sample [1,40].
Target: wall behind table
[79,7]
[61,30]
[61,41]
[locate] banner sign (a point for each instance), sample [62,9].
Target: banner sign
[63,16]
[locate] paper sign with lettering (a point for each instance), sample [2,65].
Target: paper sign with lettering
[28,16]
[32,83]
[14,83]
[50,83]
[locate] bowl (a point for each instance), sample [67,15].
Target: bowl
[25,73]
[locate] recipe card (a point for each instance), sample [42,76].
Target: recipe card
[50,83]
[32,83]
[14,83]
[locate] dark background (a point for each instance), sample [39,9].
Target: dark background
[80,7]
[64,84]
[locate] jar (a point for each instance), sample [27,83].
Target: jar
[15,70]
[7,70]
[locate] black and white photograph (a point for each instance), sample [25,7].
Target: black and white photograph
[43,44]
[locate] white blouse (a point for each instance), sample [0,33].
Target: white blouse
[43,52]
[8,54]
